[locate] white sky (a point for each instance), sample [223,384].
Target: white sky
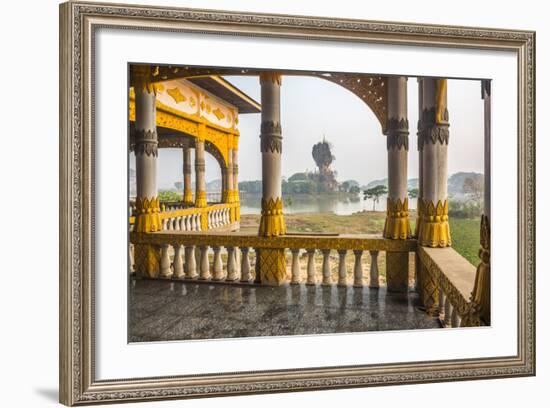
[313,107]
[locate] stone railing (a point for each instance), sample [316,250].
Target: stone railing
[445,281]
[228,257]
[217,216]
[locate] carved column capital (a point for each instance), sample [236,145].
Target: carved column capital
[397,133]
[270,77]
[430,131]
[146,142]
[142,78]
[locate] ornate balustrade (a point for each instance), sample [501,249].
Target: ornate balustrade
[196,219]
[444,278]
[445,283]
[227,257]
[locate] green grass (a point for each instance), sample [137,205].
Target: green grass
[464,232]
[465,237]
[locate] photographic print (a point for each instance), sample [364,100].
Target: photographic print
[280,203]
[257,203]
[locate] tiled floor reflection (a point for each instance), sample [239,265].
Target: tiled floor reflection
[181,310]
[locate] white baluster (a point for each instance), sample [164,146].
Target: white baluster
[181,227]
[342,273]
[374,274]
[326,267]
[245,265]
[169,224]
[295,280]
[218,266]
[231,264]
[204,265]
[178,262]
[198,221]
[311,267]
[455,320]
[190,262]
[441,305]
[447,315]
[131,258]
[165,271]
[164,224]
[187,223]
[358,269]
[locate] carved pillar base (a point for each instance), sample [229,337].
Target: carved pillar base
[147,215]
[147,260]
[397,225]
[434,228]
[200,200]
[272,267]
[480,302]
[272,222]
[188,196]
[397,271]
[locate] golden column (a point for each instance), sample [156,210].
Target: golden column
[397,224]
[147,258]
[433,141]
[272,261]
[187,192]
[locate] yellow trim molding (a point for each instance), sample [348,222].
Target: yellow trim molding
[434,228]
[200,200]
[147,215]
[397,225]
[272,222]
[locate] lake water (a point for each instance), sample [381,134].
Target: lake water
[251,204]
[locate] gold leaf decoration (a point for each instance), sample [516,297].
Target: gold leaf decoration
[176,95]
[218,113]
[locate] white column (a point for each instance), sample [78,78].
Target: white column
[245,265]
[397,132]
[272,221]
[146,151]
[434,140]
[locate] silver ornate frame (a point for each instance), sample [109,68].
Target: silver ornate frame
[77,380]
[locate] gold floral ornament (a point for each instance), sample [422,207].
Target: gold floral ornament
[200,201]
[272,222]
[397,225]
[176,95]
[434,228]
[148,215]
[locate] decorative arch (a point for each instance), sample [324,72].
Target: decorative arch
[371,89]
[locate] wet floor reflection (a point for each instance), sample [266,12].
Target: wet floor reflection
[180,310]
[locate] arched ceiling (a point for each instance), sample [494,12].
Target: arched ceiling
[371,89]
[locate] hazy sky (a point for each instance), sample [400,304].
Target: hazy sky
[312,108]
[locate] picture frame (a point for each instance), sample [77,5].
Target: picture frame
[78,24]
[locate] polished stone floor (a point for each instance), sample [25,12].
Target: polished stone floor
[182,310]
